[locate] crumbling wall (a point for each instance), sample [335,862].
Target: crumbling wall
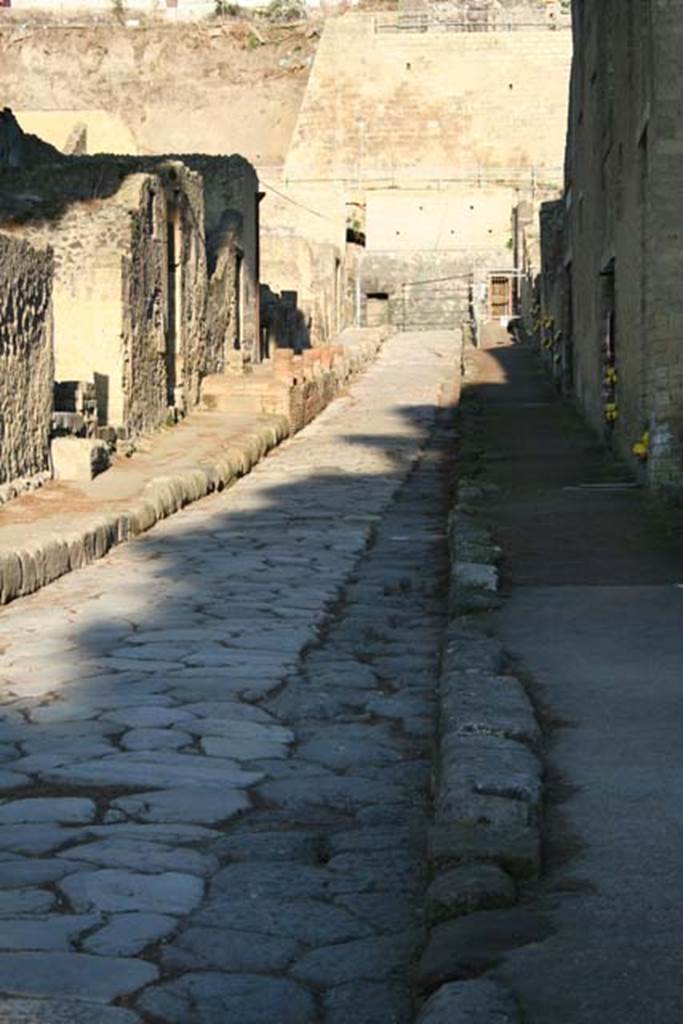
[148,376]
[26,361]
[231,198]
[108,228]
[308,279]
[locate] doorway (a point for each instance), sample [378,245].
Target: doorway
[377,309]
[174,309]
[500,296]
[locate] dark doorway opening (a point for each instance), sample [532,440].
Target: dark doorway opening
[377,309]
[174,366]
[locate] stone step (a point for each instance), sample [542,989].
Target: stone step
[257,392]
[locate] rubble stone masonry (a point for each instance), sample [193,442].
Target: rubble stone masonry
[26,369]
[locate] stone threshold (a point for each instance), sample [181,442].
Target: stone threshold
[65,526]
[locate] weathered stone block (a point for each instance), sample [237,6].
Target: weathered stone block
[468,946]
[517,850]
[471,1002]
[78,458]
[468,888]
[487,705]
[470,650]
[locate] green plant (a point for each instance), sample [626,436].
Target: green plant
[118,8]
[225,9]
[285,10]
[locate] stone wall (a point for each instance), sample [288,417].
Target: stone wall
[231,212]
[116,322]
[426,290]
[303,243]
[26,363]
[420,105]
[625,219]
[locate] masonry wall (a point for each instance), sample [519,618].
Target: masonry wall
[425,290]
[430,104]
[303,261]
[625,220]
[231,213]
[109,232]
[26,361]
[440,218]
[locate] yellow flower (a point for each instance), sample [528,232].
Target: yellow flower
[642,447]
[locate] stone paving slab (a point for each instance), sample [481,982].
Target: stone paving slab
[218,738]
[65,526]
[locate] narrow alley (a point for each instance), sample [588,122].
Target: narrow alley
[593,579]
[216,742]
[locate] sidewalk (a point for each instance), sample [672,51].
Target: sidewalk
[64,526]
[594,620]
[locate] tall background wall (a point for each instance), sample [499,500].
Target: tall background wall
[431,104]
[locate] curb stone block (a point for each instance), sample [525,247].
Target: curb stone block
[470,945]
[485,809]
[488,705]
[466,889]
[475,576]
[471,1002]
[517,850]
[490,765]
[470,650]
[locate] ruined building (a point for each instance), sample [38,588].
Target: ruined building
[609,309]
[155,282]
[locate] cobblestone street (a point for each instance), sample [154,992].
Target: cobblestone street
[216,742]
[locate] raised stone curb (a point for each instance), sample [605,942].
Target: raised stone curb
[488,794]
[34,565]
[26,568]
[470,1002]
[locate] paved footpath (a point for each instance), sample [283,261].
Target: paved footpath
[215,746]
[595,615]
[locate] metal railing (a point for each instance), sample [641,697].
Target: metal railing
[435,21]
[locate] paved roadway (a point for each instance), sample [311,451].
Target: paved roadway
[215,745]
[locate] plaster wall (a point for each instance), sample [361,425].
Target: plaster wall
[442,219]
[105,132]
